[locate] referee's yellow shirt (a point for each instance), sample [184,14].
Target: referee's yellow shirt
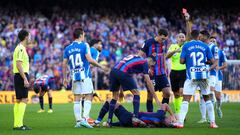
[176,58]
[20,54]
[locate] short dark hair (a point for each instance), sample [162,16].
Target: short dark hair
[22,35]
[77,32]
[94,41]
[195,34]
[212,37]
[205,33]
[162,32]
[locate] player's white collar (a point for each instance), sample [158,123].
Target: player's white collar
[79,42]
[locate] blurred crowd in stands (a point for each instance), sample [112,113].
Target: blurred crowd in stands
[121,34]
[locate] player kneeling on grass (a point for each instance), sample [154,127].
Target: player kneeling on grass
[144,119]
[121,75]
[42,85]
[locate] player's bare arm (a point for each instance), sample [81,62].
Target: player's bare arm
[151,88]
[64,65]
[20,69]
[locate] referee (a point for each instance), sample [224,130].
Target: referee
[21,83]
[178,71]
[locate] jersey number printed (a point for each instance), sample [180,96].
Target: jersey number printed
[129,57]
[77,61]
[197,58]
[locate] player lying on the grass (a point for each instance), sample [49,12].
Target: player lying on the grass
[42,85]
[121,76]
[144,119]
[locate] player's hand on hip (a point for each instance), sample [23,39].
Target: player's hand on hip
[158,103]
[26,83]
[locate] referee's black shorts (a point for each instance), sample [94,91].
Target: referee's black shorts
[20,90]
[177,78]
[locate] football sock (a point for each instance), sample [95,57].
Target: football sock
[111,110]
[202,107]
[149,105]
[50,102]
[183,111]
[212,98]
[219,103]
[103,111]
[165,100]
[177,104]
[136,104]
[87,108]
[210,110]
[77,108]
[82,102]
[22,108]
[16,114]
[41,102]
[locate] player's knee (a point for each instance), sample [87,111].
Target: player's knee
[187,98]
[49,93]
[24,100]
[115,95]
[135,92]
[88,97]
[177,94]
[206,97]
[166,92]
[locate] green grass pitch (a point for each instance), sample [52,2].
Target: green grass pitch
[61,122]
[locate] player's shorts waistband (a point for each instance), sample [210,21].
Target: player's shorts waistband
[178,71]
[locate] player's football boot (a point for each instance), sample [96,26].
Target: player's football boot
[202,121]
[90,121]
[41,111]
[78,125]
[219,112]
[178,125]
[24,127]
[96,123]
[213,125]
[84,123]
[50,111]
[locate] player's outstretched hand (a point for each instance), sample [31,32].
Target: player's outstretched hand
[158,103]
[26,83]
